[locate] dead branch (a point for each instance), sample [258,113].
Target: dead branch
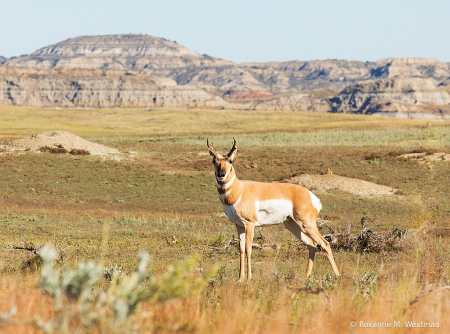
[61,252]
[35,249]
[28,246]
[230,243]
[322,222]
[349,226]
[397,233]
[227,244]
[368,240]
[267,242]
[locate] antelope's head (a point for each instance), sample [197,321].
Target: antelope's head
[222,163]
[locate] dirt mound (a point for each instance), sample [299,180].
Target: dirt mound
[57,139]
[424,156]
[336,182]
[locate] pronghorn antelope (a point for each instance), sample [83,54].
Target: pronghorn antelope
[249,204]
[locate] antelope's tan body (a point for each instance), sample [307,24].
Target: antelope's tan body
[249,204]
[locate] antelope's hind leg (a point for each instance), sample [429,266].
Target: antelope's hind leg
[294,228]
[310,230]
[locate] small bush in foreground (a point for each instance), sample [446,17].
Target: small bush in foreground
[79,304]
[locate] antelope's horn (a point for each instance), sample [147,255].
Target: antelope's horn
[210,147]
[234,148]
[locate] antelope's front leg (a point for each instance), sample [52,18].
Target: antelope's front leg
[241,236]
[249,232]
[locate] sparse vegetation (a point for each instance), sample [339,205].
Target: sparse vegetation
[413,139]
[119,123]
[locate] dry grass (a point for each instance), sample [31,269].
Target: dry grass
[383,288]
[21,121]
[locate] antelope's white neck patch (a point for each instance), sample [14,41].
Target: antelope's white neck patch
[232,213]
[224,195]
[226,185]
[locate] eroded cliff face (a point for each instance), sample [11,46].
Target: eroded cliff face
[124,52]
[163,58]
[97,89]
[396,95]
[411,67]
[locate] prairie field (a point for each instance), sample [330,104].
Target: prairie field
[116,123]
[159,195]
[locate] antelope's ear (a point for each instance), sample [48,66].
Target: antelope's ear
[232,155]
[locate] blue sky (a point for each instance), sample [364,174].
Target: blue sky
[244,30]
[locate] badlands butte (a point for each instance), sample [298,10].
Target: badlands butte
[145,71]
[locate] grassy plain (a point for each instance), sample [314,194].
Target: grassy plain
[106,210]
[20,121]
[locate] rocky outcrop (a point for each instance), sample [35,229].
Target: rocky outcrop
[301,75]
[285,102]
[122,52]
[411,67]
[97,89]
[248,95]
[396,95]
[293,102]
[445,82]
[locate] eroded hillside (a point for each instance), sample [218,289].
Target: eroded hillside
[163,58]
[146,71]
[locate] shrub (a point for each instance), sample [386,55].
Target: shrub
[53,150]
[76,151]
[77,298]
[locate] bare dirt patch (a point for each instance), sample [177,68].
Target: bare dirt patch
[58,140]
[336,182]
